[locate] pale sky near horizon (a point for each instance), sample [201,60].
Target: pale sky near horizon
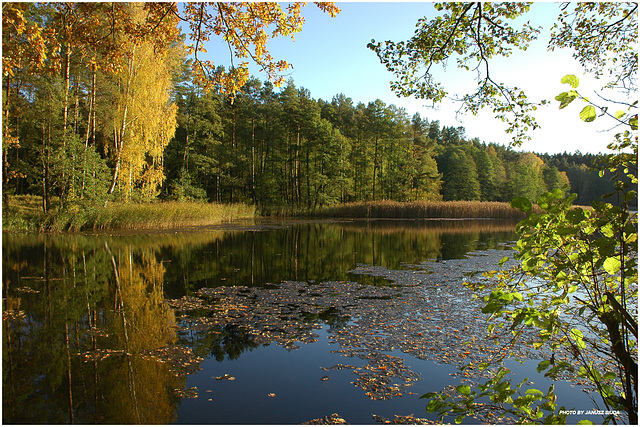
[330,56]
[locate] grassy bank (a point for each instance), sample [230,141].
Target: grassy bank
[422,209]
[24,213]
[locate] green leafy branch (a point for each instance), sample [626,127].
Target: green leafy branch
[588,113]
[473,33]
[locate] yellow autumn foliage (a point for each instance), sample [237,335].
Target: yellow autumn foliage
[246,27]
[146,118]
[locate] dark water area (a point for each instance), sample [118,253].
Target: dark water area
[270,322]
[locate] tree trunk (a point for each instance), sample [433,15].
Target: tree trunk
[90,126]
[308,178]
[375,166]
[93,103]
[5,158]
[45,208]
[253,159]
[69,383]
[118,146]
[119,134]
[67,77]
[65,116]
[296,169]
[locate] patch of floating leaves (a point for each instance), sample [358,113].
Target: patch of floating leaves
[180,358]
[402,419]
[186,303]
[334,419]
[27,290]
[13,315]
[190,393]
[101,354]
[376,378]
[97,332]
[426,312]
[226,377]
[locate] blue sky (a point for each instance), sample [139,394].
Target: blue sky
[330,57]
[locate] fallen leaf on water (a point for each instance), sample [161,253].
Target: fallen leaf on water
[225,377]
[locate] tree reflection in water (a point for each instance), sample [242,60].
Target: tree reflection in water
[89,310]
[89,338]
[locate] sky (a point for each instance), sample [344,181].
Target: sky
[330,56]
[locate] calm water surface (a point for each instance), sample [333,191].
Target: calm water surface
[108,329]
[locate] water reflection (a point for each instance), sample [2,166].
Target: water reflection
[78,314]
[89,338]
[315,251]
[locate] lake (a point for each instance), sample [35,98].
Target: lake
[263,322]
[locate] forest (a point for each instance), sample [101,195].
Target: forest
[101,103]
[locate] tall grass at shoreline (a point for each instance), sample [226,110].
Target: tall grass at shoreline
[421,209]
[167,215]
[25,214]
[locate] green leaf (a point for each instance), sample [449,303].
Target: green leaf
[464,389]
[503,260]
[543,365]
[459,419]
[576,215]
[567,98]
[619,114]
[577,336]
[570,79]
[583,422]
[522,203]
[433,405]
[534,391]
[612,265]
[588,113]
[576,333]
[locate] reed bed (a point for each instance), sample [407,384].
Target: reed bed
[422,209]
[23,216]
[124,216]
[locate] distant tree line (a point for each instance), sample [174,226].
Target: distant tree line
[283,148]
[95,108]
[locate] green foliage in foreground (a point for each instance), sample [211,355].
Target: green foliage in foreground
[576,289]
[22,215]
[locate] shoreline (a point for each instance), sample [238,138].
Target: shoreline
[24,215]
